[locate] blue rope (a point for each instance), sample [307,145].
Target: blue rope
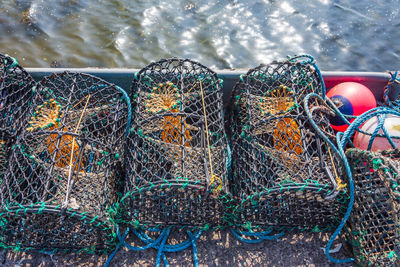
[229,157]
[387,88]
[168,248]
[128,103]
[153,244]
[14,61]
[381,120]
[388,137]
[194,245]
[342,117]
[261,236]
[364,117]
[111,256]
[149,244]
[328,101]
[160,243]
[311,60]
[348,210]
[136,76]
[315,126]
[161,249]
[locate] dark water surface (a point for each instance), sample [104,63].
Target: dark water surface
[342,35]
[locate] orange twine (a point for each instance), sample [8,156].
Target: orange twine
[47,116]
[165,97]
[287,136]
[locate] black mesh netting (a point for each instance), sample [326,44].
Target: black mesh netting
[373,228]
[62,173]
[285,174]
[16,96]
[177,150]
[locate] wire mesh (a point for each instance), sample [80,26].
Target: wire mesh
[373,229]
[284,173]
[16,96]
[177,153]
[63,170]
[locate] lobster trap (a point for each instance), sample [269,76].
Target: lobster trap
[177,153]
[285,174]
[16,96]
[374,226]
[64,170]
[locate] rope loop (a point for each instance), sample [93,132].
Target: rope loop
[255,237]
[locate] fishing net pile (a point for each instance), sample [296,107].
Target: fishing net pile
[16,95]
[373,228]
[284,173]
[63,171]
[177,155]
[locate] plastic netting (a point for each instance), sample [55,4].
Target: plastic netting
[373,228]
[63,172]
[16,96]
[286,175]
[177,155]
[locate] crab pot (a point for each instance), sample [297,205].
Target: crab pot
[373,229]
[63,171]
[177,150]
[16,96]
[283,172]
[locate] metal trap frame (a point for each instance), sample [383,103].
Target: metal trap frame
[177,153]
[64,172]
[285,174]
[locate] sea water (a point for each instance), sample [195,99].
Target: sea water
[341,34]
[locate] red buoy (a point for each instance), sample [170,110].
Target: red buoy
[352,99]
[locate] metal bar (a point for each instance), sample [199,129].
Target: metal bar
[375,81]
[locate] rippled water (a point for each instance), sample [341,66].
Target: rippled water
[342,35]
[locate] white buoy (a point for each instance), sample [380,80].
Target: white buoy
[392,125]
